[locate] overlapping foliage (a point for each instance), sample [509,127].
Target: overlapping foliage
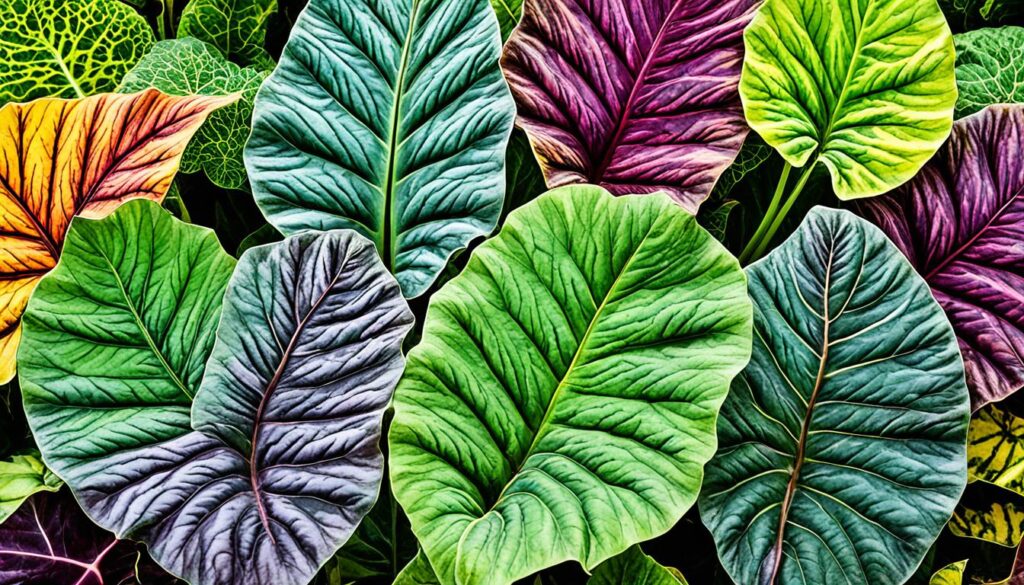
[234,405]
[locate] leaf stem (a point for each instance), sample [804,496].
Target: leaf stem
[777,222]
[769,215]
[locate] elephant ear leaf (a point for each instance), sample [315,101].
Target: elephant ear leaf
[865,87]
[591,334]
[635,100]
[389,117]
[61,158]
[67,48]
[633,567]
[989,69]
[842,444]
[959,224]
[280,458]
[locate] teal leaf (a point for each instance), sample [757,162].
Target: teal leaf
[843,443]
[191,67]
[389,117]
[561,404]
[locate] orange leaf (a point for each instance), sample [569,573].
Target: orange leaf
[62,158]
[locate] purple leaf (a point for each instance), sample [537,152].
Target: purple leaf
[961,224]
[637,97]
[49,541]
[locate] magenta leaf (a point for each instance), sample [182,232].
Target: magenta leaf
[637,97]
[961,224]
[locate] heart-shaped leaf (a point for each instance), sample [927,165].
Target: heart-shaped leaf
[191,67]
[561,403]
[633,567]
[635,97]
[960,222]
[61,158]
[842,443]
[284,458]
[21,477]
[865,87]
[67,48]
[989,68]
[389,117]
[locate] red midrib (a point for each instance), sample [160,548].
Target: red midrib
[597,176]
[271,386]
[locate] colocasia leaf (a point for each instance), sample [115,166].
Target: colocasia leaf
[283,460]
[865,87]
[191,67]
[960,222]
[238,28]
[67,48]
[61,158]
[21,477]
[842,444]
[633,567]
[389,117]
[637,97]
[989,68]
[562,401]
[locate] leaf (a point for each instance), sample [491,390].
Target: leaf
[524,181]
[283,460]
[865,87]
[951,574]
[959,222]
[637,101]
[238,28]
[417,572]
[633,567]
[989,69]
[67,48]
[61,158]
[995,448]
[509,12]
[389,117]
[715,218]
[21,477]
[48,541]
[970,14]
[992,515]
[753,154]
[842,443]
[187,67]
[592,334]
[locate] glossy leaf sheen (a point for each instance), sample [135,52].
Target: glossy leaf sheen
[192,67]
[866,87]
[637,97]
[846,432]
[67,48]
[592,334]
[989,68]
[960,222]
[284,458]
[389,117]
[61,158]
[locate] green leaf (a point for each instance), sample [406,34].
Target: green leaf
[633,567]
[238,28]
[124,324]
[67,48]
[524,180]
[417,572]
[971,14]
[191,67]
[951,574]
[843,442]
[509,12]
[561,403]
[990,514]
[995,448]
[715,218]
[989,68]
[389,117]
[20,477]
[865,87]
[753,154]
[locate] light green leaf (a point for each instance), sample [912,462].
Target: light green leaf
[389,117]
[989,68]
[417,572]
[843,442]
[865,87]
[633,567]
[192,67]
[509,12]
[951,574]
[67,48]
[561,403]
[124,323]
[20,477]
[238,28]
